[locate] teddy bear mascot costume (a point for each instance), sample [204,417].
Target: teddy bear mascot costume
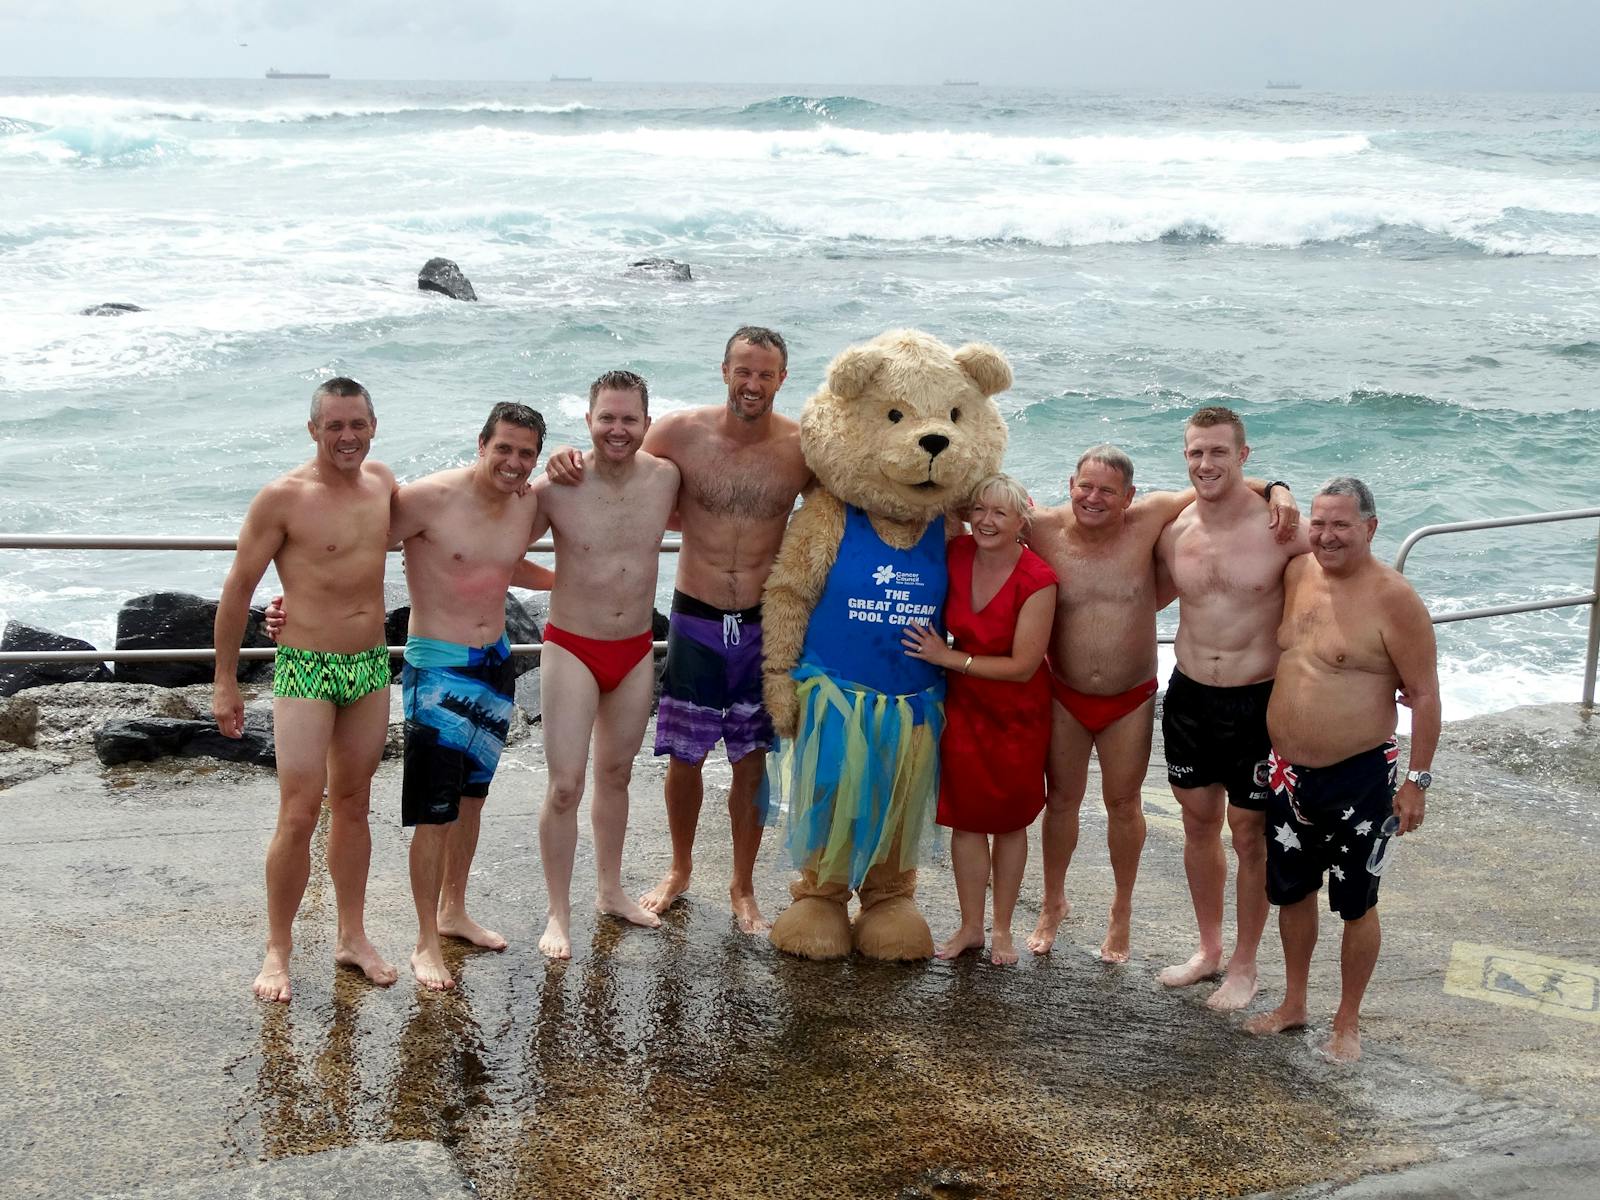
[900,433]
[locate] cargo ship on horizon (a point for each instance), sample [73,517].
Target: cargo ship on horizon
[274,73]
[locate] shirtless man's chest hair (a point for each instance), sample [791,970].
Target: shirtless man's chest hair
[1228,573]
[734,501]
[607,531]
[1103,641]
[1337,677]
[332,557]
[460,552]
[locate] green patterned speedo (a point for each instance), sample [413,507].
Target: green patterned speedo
[340,679]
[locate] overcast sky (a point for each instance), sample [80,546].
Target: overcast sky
[1541,45]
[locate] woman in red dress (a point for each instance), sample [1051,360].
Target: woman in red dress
[997,710]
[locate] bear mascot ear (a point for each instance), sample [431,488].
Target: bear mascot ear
[985,366]
[851,372]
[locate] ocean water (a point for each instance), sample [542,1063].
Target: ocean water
[1405,287]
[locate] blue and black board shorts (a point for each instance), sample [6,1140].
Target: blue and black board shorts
[458,707]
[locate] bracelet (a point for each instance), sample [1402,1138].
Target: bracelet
[966,667]
[1267,494]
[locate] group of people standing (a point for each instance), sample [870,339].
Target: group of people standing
[1052,613]
[1294,645]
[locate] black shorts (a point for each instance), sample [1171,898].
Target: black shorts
[1218,735]
[1337,820]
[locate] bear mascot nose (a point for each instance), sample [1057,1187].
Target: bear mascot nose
[933,443]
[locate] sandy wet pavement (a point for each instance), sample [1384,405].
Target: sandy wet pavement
[695,1061]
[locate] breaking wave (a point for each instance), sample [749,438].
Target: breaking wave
[832,109]
[109,143]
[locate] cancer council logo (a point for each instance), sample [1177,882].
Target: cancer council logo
[883,575]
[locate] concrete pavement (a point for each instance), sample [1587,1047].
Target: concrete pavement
[695,1061]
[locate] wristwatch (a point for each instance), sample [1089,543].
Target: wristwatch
[1423,779]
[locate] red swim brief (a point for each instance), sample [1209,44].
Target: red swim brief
[1095,713]
[608,660]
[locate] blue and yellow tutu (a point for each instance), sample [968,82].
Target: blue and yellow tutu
[860,778]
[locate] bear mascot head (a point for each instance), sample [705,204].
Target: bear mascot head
[902,430]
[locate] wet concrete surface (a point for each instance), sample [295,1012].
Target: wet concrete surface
[696,1061]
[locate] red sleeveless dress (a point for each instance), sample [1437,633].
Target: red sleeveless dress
[997,733]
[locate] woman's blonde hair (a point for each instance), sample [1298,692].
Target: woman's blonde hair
[1014,493]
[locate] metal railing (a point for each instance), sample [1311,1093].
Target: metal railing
[75,541]
[1591,598]
[54,541]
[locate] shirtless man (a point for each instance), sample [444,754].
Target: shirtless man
[1353,632]
[741,468]
[1227,570]
[326,527]
[465,532]
[1103,668]
[597,670]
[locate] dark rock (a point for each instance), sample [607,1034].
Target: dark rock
[661,268]
[178,621]
[396,623]
[443,276]
[14,677]
[113,309]
[523,627]
[149,738]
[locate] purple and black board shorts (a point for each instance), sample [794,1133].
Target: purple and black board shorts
[711,685]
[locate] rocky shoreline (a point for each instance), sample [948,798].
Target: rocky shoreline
[56,714]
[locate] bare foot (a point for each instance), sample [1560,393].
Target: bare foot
[428,966]
[1343,1047]
[666,893]
[1279,1020]
[959,942]
[1201,966]
[748,915]
[1115,948]
[361,954]
[463,928]
[555,943]
[273,982]
[1002,951]
[1238,988]
[1044,933]
[621,906]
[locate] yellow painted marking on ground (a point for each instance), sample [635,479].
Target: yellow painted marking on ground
[1557,987]
[1161,808]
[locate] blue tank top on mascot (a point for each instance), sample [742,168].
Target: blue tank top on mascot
[855,680]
